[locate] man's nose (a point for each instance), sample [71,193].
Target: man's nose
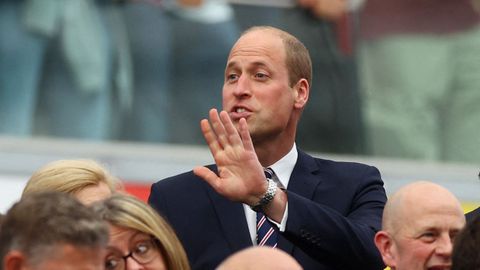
[445,246]
[242,87]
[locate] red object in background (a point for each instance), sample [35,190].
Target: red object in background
[344,35]
[141,191]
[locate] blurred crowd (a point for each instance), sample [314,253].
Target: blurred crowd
[392,78]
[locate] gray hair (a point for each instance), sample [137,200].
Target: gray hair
[39,222]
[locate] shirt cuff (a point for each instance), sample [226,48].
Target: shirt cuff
[283,223]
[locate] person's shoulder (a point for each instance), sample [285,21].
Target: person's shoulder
[178,190]
[472,214]
[342,169]
[181,180]
[335,164]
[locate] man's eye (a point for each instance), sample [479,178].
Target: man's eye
[428,236]
[260,75]
[232,77]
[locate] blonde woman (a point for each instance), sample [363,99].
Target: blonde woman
[85,179]
[139,237]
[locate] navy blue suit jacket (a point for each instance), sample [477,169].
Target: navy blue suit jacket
[334,210]
[472,214]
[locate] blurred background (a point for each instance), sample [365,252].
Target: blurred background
[396,84]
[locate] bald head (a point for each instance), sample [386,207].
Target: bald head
[415,199]
[264,258]
[420,223]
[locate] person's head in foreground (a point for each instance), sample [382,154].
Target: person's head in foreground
[265,258]
[466,255]
[87,180]
[420,223]
[139,237]
[52,230]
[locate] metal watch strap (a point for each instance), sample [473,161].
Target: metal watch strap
[267,197]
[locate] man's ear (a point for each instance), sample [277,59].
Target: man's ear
[14,260]
[385,245]
[302,91]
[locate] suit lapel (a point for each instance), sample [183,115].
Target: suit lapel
[303,181]
[231,217]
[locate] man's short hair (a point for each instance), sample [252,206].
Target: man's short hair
[39,222]
[298,61]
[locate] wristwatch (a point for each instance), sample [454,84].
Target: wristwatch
[267,197]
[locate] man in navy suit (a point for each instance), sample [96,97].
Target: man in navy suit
[324,213]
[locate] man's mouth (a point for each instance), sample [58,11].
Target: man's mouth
[239,112]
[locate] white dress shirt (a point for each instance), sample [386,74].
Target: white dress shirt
[283,170]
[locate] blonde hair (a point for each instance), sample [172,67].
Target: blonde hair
[126,211]
[70,176]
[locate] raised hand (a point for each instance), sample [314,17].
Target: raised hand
[240,174]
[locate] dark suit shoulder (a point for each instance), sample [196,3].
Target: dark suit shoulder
[339,165]
[339,170]
[472,214]
[177,181]
[176,192]
[180,181]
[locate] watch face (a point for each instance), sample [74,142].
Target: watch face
[267,197]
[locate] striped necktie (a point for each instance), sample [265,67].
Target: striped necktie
[267,233]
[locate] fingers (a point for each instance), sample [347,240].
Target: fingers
[209,176]
[210,137]
[218,127]
[221,129]
[245,135]
[232,133]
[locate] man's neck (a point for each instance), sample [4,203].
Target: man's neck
[269,153]
[271,149]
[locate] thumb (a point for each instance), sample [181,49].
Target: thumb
[207,175]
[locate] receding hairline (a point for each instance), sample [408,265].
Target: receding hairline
[395,205]
[267,28]
[295,52]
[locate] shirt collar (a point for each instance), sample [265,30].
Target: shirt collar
[283,168]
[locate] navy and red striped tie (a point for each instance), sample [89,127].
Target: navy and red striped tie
[267,233]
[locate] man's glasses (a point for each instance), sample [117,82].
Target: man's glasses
[143,253]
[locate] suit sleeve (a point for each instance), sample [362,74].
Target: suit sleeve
[336,236]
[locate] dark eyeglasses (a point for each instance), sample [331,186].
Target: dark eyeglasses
[144,252]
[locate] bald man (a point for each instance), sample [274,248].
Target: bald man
[265,258]
[419,224]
